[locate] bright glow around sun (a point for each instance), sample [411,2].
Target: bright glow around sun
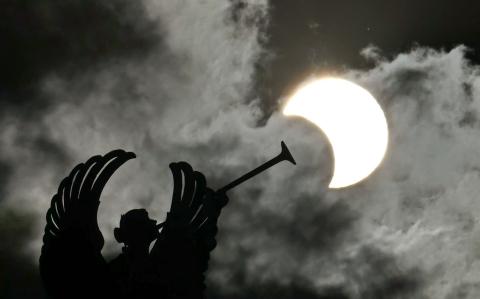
[353,122]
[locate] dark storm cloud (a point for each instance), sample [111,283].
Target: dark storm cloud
[372,274]
[308,226]
[464,291]
[65,38]
[18,273]
[381,277]
[273,289]
[5,172]
[49,150]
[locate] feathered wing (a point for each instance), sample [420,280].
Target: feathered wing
[71,264]
[182,251]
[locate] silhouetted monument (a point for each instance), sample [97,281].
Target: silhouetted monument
[71,263]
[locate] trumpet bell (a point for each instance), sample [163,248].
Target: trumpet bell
[286,155]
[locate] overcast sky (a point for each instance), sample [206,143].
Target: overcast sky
[203,81]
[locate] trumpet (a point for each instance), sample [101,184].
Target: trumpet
[284,155]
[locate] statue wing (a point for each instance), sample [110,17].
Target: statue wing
[182,251]
[71,263]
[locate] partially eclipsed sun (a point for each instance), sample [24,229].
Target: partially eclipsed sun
[353,122]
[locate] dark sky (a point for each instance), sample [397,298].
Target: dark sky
[308,36]
[203,82]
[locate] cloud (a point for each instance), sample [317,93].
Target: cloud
[67,38]
[19,279]
[5,170]
[175,82]
[83,78]
[425,191]
[409,231]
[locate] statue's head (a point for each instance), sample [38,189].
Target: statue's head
[136,229]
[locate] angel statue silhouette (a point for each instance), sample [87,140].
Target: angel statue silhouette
[71,262]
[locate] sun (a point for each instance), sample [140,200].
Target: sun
[353,122]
